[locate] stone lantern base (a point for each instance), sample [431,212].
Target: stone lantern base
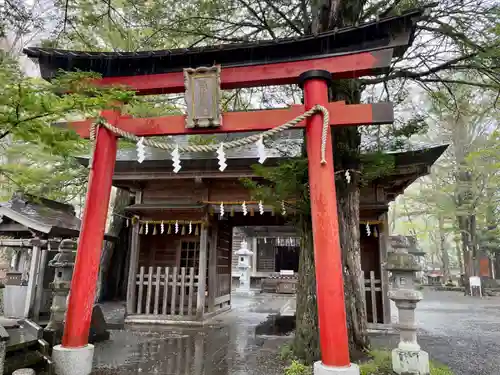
[410,362]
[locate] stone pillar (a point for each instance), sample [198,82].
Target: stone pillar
[407,358]
[4,337]
[244,255]
[63,263]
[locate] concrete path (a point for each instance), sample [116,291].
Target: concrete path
[226,347]
[459,331]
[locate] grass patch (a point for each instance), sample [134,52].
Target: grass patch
[381,364]
[297,368]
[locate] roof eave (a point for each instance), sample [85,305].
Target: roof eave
[32,224]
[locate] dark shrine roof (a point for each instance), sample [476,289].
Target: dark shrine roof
[42,215]
[245,156]
[55,219]
[391,32]
[426,156]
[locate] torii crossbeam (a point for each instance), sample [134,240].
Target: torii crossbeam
[312,62]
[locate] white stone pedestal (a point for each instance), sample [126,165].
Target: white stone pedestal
[321,369]
[73,361]
[410,362]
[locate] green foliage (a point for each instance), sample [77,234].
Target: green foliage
[381,364]
[461,192]
[286,352]
[376,165]
[286,182]
[38,156]
[297,368]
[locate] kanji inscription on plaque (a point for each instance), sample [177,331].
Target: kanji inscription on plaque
[203,97]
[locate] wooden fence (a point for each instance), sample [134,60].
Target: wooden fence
[167,291]
[372,290]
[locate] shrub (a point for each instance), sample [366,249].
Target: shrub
[286,352]
[297,368]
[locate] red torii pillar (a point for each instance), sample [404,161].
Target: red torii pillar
[74,356]
[327,253]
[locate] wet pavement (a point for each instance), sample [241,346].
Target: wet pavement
[460,331]
[227,346]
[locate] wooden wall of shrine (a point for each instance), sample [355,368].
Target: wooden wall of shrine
[172,258]
[190,191]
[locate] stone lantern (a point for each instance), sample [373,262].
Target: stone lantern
[63,263]
[244,267]
[407,358]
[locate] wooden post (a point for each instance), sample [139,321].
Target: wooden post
[33,277]
[327,253]
[39,285]
[202,273]
[254,256]
[135,241]
[384,274]
[212,269]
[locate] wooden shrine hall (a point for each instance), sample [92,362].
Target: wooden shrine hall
[193,199]
[186,207]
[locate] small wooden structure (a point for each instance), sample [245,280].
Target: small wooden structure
[34,227]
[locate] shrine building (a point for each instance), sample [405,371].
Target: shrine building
[193,198]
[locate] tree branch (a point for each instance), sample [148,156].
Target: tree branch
[288,21]
[403,73]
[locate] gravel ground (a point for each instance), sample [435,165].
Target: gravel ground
[460,331]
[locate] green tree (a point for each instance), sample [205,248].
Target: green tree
[41,155]
[461,192]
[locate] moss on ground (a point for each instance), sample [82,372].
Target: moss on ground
[380,363]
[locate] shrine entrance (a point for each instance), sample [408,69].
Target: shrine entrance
[312,62]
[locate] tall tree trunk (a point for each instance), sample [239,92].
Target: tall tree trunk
[121,200]
[445,258]
[348,211]
[346,153]
[326,15]
[306,341]
[459,255]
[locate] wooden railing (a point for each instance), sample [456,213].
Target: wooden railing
[168,291]
[372,288]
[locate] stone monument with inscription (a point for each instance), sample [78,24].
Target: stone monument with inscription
[407,358]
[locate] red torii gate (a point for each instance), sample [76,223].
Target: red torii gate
[315,75]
